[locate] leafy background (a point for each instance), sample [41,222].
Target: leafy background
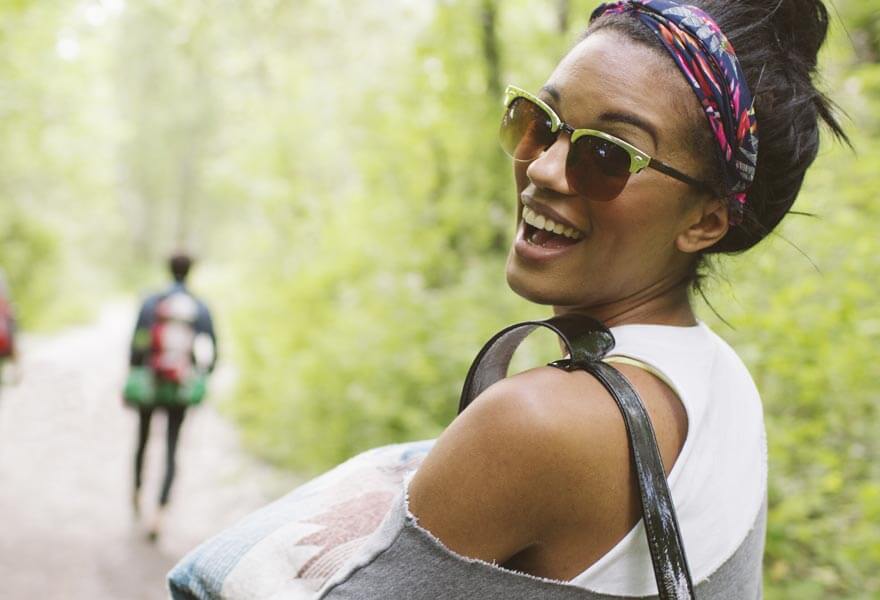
[334,166]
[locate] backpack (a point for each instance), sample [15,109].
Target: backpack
[7,334]
[172,338]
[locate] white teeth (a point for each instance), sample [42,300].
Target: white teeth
[542,222]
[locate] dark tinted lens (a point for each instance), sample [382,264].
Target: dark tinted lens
[525,130]
[597,168]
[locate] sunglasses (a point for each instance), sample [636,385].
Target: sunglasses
[598,164]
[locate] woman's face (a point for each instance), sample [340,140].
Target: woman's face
[628,246]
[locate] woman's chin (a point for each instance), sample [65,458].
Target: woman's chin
[534,287]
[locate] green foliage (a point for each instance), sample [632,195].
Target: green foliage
[57,223]
[377,298]
[807,334]
[29,251]
[402,276]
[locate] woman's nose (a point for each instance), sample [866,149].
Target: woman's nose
[548,170]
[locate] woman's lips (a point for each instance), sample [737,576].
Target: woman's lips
[547,212]
[552,247]
[541,223]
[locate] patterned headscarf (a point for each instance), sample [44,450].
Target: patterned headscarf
[709,64]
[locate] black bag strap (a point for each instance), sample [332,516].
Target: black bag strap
[587,341]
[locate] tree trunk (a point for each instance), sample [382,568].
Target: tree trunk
[489,19]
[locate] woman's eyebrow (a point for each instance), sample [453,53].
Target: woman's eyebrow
[630,119]
[612,116]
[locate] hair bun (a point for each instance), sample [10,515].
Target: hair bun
[800,27]
[777,44]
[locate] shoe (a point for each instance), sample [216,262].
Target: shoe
[156,526]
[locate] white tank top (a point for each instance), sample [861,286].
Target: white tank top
[719,479]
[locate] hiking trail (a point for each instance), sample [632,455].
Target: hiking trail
[66,469]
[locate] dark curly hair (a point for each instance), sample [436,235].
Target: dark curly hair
[777,45]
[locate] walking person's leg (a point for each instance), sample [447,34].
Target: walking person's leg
[175,420]
[145,415]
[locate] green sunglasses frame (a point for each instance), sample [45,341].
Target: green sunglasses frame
[638,159]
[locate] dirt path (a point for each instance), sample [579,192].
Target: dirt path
[66,525]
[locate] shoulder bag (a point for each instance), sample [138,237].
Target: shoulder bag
[587,342]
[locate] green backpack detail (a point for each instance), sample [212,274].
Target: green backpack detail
[144,389]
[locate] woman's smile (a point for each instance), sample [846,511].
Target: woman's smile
[543,233]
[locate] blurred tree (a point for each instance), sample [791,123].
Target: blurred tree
[54,144]
[165,93]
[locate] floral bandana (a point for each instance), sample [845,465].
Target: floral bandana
[708,62]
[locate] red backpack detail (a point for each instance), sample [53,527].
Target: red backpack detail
[7,341]
[172,337]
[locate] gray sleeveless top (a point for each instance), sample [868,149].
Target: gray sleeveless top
[404,561]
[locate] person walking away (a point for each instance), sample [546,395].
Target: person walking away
[175,344]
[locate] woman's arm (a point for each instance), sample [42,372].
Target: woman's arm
[539,463]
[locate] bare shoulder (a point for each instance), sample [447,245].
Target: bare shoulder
[537,452]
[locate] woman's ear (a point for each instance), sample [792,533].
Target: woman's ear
[705,226]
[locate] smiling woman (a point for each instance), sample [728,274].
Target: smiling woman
[636,228]
[638,158]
